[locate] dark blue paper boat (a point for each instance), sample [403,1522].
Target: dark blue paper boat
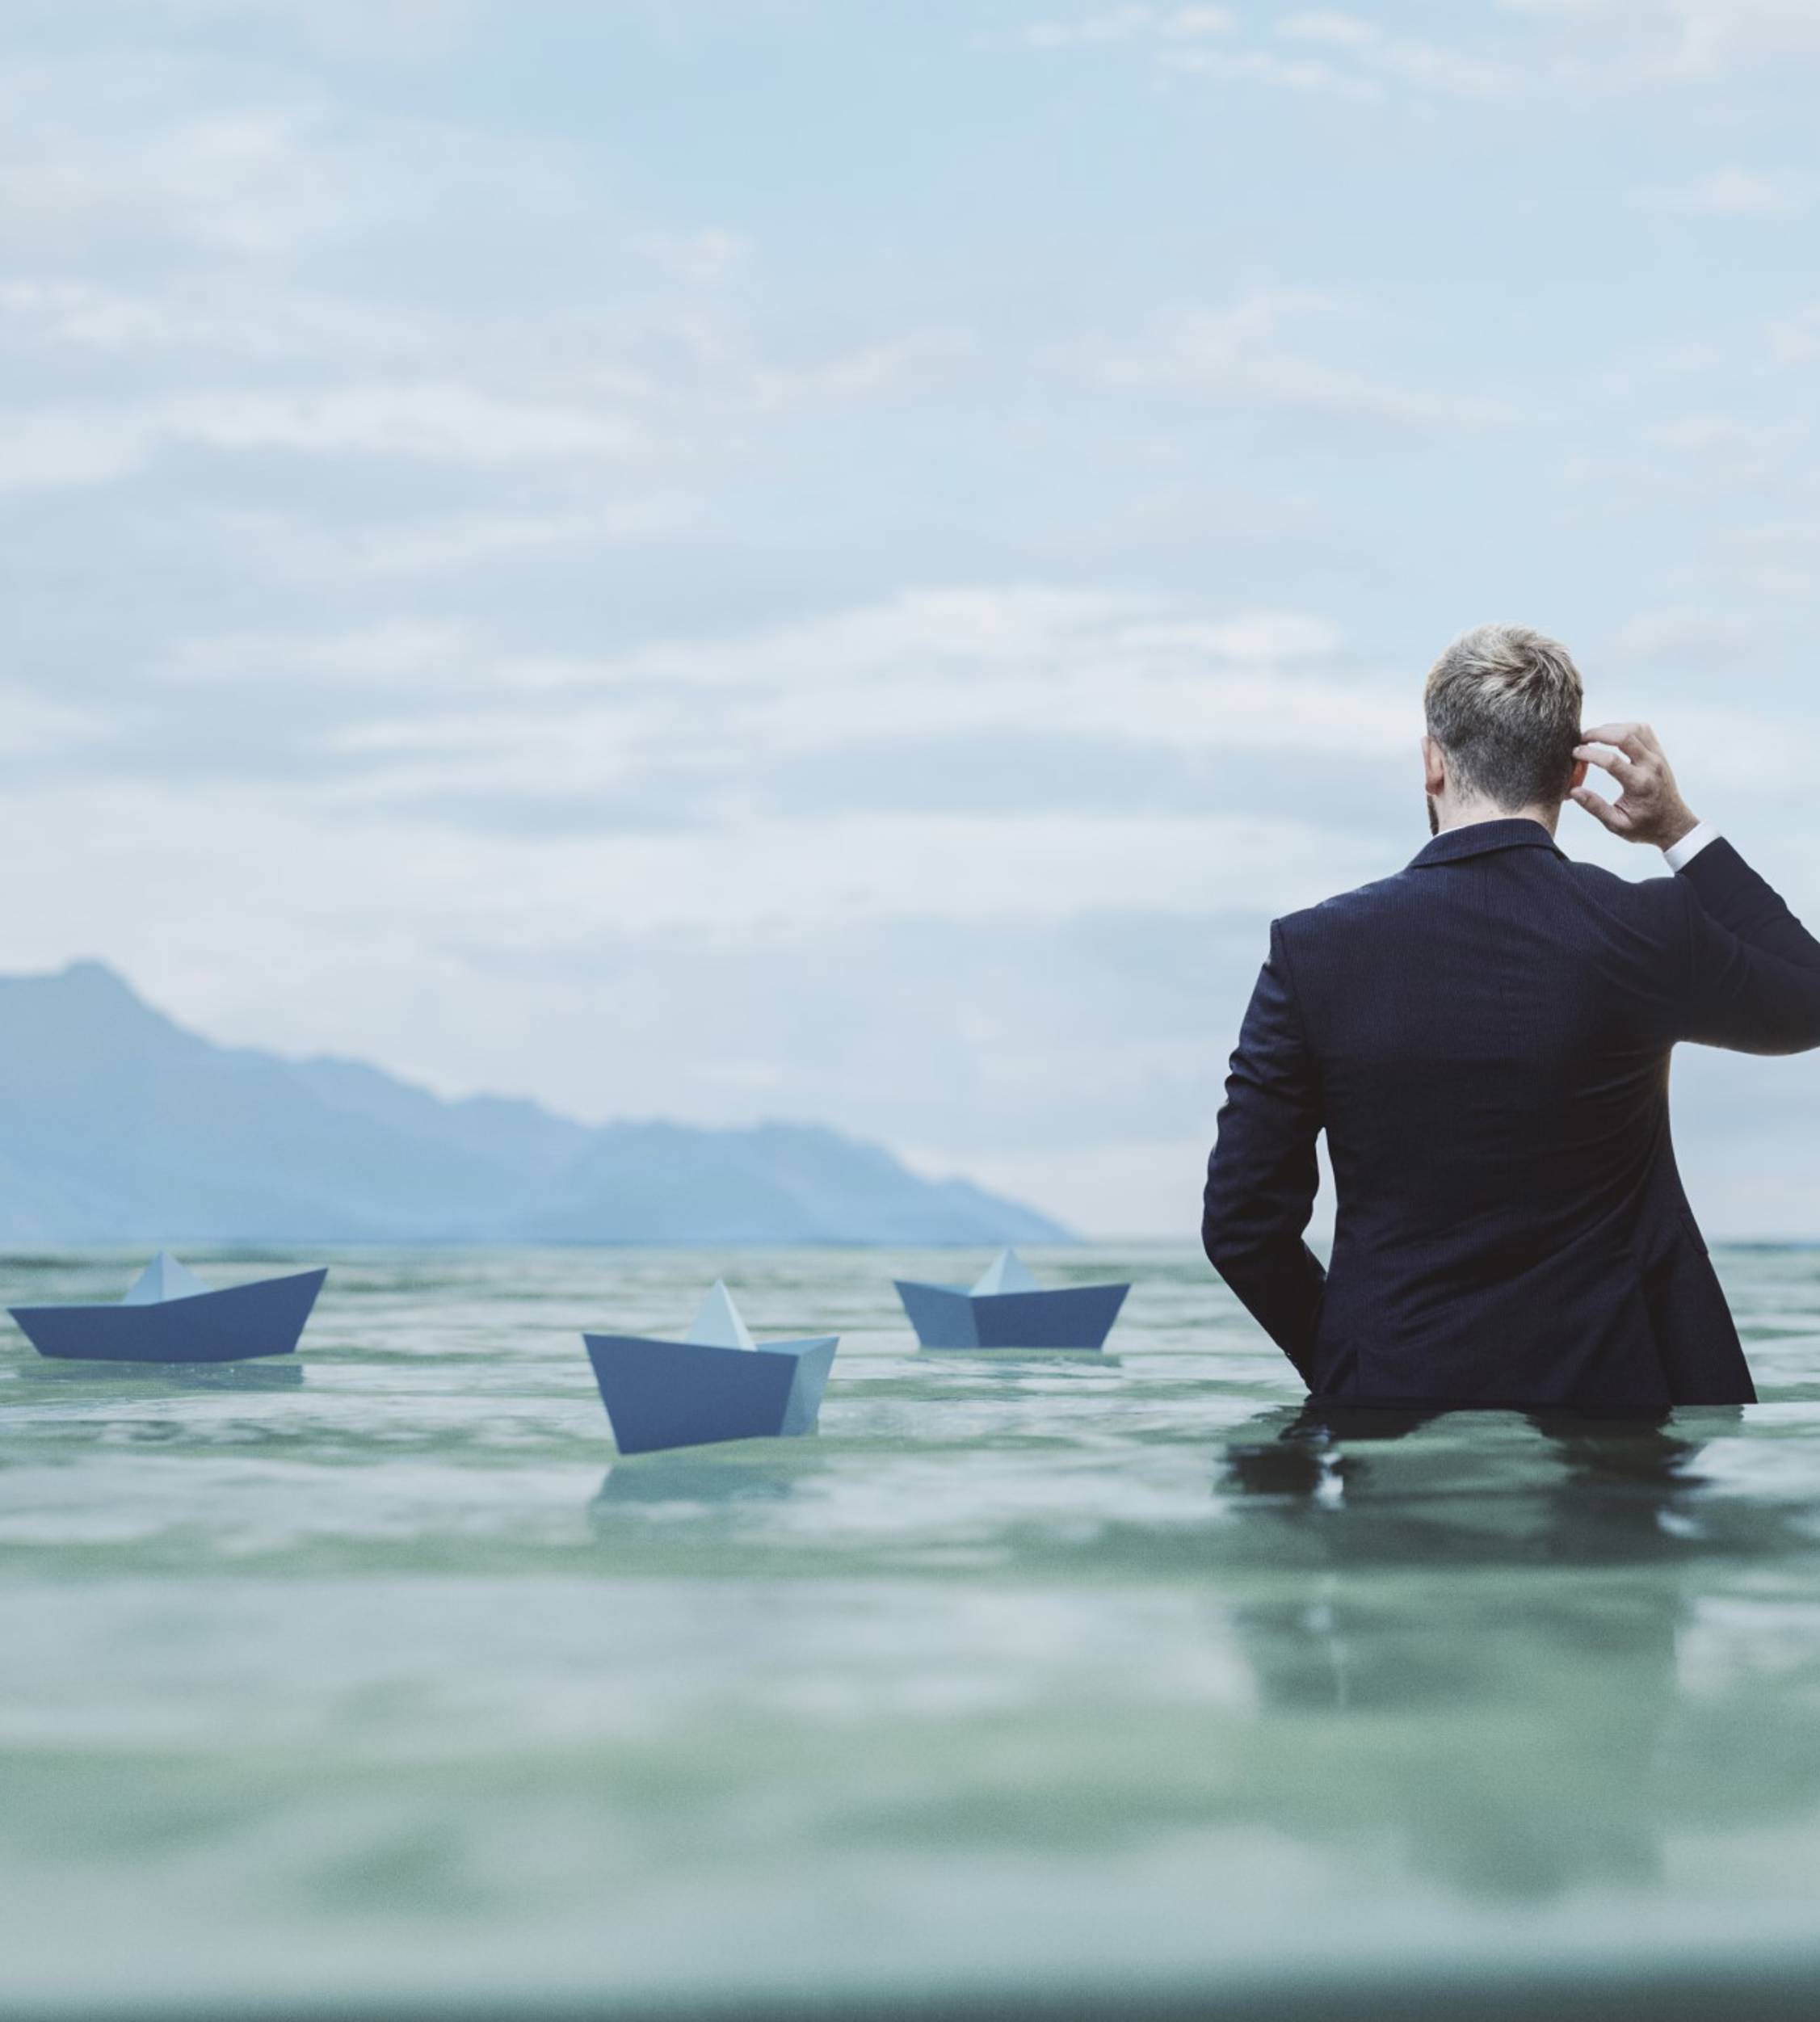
[718,1384]
[1007,1309]
[170,1315]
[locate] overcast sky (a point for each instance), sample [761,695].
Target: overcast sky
[838,560]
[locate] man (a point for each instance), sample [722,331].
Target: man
[1485,1038]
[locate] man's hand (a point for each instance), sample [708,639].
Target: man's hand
[1651,808]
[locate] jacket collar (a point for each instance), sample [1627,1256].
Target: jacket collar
[1478,838]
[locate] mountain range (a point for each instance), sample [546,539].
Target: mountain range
[119,1126]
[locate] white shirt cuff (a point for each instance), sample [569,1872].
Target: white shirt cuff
[1678,856]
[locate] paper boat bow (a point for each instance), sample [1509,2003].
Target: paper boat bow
[1007,1309]
[718,1384]
[170,1315]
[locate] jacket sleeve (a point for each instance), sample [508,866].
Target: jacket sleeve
[1262,1175]
[1754,978]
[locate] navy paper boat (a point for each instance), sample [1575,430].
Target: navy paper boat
[1007,1309]
[718,1384]
[170,1315]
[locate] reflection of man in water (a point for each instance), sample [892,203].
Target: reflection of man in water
[1497,1716]
[1484,1039]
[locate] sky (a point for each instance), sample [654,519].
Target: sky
[840,561]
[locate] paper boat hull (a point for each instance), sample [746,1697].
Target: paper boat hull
[660,1395]
[233,1325]
[1074,1317]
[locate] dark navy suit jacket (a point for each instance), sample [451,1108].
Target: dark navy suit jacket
[1485,1038]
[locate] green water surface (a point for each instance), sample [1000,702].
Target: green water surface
[373,1680]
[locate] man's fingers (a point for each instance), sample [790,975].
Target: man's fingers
[1601,809]
[1621,764]
[1617,820]
[1634,739]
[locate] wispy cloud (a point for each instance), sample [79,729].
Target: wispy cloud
[1538,45]
[1010,707]
[1795,339]
[431,421]
[408,728]
[703,259]
[179,284]
[1700,639]
[1255,353]
[286,547]
[1718,435]
[416,28]
[1166,24]
[1338,30]
[1321,50]
[1732,192]
[1271,68]
[1687,38]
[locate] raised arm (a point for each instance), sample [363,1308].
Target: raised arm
[1262,1175]
[1753,972]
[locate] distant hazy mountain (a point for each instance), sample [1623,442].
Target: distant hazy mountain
[116,1125]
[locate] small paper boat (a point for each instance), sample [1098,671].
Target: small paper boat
[1007,1309]
[170,1315]
[718,1384]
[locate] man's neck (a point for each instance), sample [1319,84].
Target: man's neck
[1467,815]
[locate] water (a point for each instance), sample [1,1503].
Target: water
[375,1679]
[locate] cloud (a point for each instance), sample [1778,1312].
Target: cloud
[702,259]
[398,650]
[1545,45]
[1692,637]
[1120,702]
[1342,31]
[889,366]
[259,182]
[434,423]
[1442,71]
[224,320]
[1682,38]
[1131,24]
[32,726]
[1244,354]
[1795,339]
[1358,60]
[414,28]
[182,282]
[1710,435]
[283,547]
[1732,192]
[1108,709]
[1267,67]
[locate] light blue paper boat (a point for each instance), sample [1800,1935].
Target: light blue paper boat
[1007,1309]
[718,1384]
[170,1315]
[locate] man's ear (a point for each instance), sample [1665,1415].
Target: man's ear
[1577,777]
[1433,769]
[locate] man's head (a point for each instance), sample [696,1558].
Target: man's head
[1503,707]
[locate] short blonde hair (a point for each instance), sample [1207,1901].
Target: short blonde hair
[1504,703]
